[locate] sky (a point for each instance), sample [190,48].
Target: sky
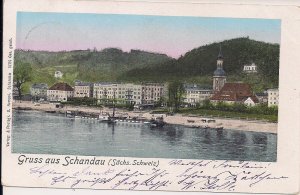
[171,35]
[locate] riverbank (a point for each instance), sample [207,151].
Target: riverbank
[177,119]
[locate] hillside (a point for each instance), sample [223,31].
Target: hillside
[198,64]
[86,65]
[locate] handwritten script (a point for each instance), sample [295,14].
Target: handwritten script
[178,174]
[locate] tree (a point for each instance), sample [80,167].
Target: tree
[207,104]
[176,91]
[22,74]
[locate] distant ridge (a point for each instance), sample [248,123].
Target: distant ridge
[199,64]
[195,66]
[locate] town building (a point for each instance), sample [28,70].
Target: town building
[38,91]
[195,94]
[130,93]
[58,74]
[15,91]
[83,89]
[152,92]
[235,93]
[219,78]
[147,93]
[105,90]
[262,97]
[273,97]
[250,68]
[60,92]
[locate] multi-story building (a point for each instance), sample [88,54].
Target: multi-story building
[196,94]
[83,89]
[147,93]
[105,90]
[39,91]
[273,97]
[152,92]
[131,93]
[60,92]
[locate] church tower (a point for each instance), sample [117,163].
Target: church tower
[219,78]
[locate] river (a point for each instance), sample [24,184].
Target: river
[38,132]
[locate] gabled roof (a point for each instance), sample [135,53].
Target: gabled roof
[61,87]
[261,94]
[253,98]
[80,83]
[39,86]
[235,92]
[195,87]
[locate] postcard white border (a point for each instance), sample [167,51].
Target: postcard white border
[289,112]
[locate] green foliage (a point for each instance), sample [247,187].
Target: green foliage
[260,111]
[198,65]
[22,74]
[86,65]
[82,101]
[175,94]
[229,114]
[86,101]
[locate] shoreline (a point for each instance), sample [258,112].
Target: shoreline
[177,119]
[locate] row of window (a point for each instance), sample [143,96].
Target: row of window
[199,92]
[273,98]
[275,93]
[58,91]
[82,91]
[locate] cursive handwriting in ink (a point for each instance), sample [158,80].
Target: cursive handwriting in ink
[186,175]
[44,170]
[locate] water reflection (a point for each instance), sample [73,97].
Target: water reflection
[36,132]
[260,139]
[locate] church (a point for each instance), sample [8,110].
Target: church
[230,92]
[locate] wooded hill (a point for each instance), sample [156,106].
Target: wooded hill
[196,66]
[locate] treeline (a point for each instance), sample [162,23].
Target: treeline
[196,66]
[239,107]
[89,101]
[109,64]
[92,65]
[201,62]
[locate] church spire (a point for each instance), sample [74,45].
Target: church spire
[220,56]
[219,78]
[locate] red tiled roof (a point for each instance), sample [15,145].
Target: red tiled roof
[235,92]
[61,87]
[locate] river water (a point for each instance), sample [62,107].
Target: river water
[44,133]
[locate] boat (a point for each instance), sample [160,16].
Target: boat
[104,118]
[110,121]
[107,118]
[158,122]
[50,111]
[70,114]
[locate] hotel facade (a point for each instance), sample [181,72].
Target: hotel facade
[147,93]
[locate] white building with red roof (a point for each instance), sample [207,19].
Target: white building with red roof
[60,92]
[235,93]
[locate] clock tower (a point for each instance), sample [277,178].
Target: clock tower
[219,78]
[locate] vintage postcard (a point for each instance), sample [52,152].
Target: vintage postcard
[151,96]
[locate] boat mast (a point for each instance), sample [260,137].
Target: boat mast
[114,103]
